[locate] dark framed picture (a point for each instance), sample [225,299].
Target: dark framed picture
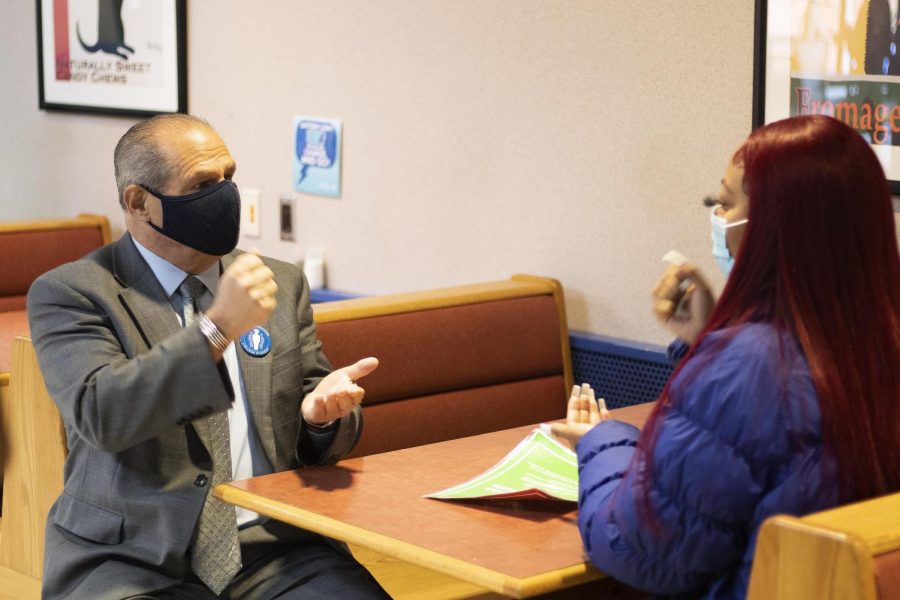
[112,56]
[838,58]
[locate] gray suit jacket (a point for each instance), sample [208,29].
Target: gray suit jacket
[131,386]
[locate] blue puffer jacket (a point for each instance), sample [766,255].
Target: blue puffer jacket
[742,441]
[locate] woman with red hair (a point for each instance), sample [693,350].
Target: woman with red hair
[788,398]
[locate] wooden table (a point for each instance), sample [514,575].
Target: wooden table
[376,502]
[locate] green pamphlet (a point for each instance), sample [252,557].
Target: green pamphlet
[538,468]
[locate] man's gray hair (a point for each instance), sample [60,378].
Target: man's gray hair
[138,158]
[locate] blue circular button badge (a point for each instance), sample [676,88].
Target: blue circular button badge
[256,342]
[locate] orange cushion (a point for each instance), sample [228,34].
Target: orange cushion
[887,575]
[28,254]
[439,417]
[455,348]
[8,303]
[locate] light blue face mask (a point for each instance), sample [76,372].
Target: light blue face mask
[720,251]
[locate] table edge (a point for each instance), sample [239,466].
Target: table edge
[495,581]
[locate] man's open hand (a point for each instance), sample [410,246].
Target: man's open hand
[337,394]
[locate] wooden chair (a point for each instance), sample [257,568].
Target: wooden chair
[851,552]
[34,441]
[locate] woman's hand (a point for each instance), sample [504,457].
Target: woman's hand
[582,414]
[682,300]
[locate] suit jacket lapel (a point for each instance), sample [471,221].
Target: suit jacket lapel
[146,301]
[142,295]
[256,373]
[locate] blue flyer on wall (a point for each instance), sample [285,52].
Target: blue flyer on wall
[317,156]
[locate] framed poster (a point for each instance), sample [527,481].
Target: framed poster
[834,57]
[112,56]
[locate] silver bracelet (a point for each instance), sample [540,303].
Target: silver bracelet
[212,333]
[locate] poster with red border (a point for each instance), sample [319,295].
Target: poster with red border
[112,56]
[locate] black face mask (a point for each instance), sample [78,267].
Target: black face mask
[208,221]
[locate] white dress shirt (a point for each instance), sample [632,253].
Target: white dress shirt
[247,458]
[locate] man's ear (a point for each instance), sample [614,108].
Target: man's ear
[135,199]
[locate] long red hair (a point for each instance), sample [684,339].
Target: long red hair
[819,260]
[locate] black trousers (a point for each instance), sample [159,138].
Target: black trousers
[280,561]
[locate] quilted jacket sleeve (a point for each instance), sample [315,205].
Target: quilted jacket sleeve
[710,468]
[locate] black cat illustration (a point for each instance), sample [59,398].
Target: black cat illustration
[110,30]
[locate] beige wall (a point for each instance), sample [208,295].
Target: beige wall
[482,138]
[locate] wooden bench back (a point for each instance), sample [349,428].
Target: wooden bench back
[456,361]
[851,552]
[33,455]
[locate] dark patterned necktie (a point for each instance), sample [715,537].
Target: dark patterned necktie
[216,554]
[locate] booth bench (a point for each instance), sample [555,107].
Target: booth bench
[454,362]
[29,249]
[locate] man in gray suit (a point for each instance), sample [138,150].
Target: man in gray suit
[178,363]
